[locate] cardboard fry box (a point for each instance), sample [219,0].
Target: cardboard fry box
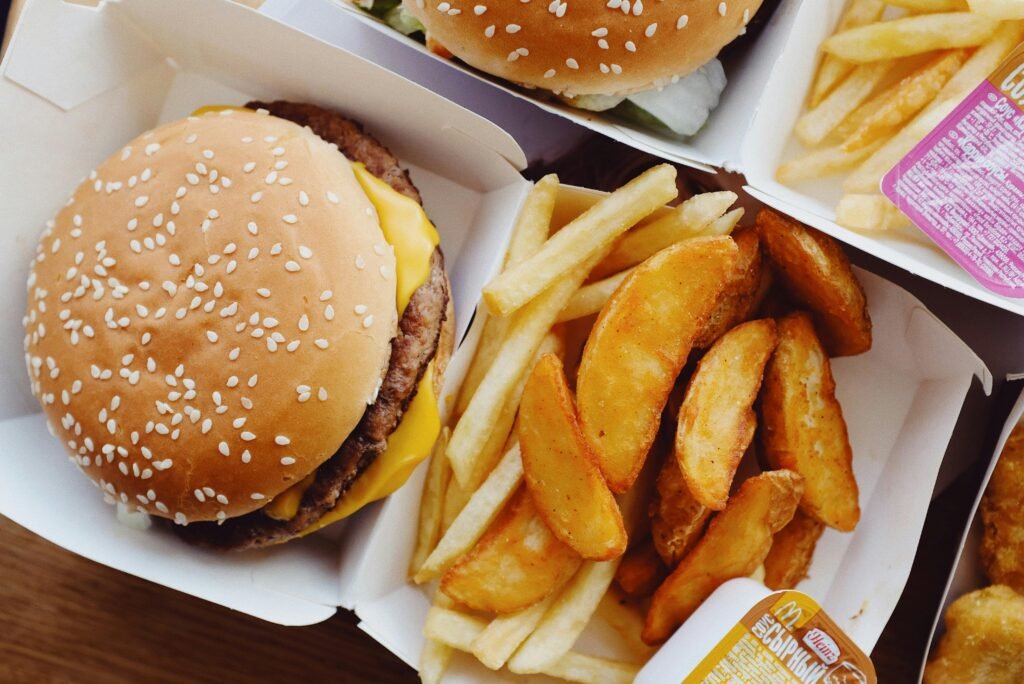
[967,573]
[900,400]
[769,142]
[77,82]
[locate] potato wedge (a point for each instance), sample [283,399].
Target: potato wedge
[560,470]
[736,543]
[743,294]
[641,570]
[517,563]
[639,344]
[802,426]
[677,519]
[792,552]
[911,36]
[816,272]
[717,422]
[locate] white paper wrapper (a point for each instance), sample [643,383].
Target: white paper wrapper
[967,573]
[901,401]
[77,82]
[769,142]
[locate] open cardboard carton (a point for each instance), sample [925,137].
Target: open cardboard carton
[751,132]
[770,142]
[967,573]
[77,82]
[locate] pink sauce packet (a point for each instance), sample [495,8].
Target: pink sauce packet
[963,185]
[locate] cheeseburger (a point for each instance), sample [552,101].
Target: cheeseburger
[239,323]
[653,62]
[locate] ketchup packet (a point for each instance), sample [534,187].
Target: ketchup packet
[963,185]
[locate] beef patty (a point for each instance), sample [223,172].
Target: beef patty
[412,350]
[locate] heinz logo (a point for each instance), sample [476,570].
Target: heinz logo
[822,644]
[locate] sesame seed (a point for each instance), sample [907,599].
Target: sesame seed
[271,178]
[682,21]
[638,8]
[321,343]
[329,312]
[513,28]
[253,380]
[322,394]
[368,321]
[616,69]
[331,197]
[602,43]
[256,197]
[302,389]
[212,336]
[200,496]
[479,10]
[141,200]
[221,499]
[275,249]
[304,397]
[631,46]
[325,295]
[263,292]
[489,31]
[293,345]
[746,16]
[572,63]
[151,149]
[290,219]
[600,32]
[256,496]
[287,461]
[224,449]
[292,266]
[206,426]
[360,262]
[248,167]
[281,440]
[303,198]
[722,9]
[246,457]
[550,73]
[232,381]
[248,436]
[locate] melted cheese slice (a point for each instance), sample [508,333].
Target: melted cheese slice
[408,230]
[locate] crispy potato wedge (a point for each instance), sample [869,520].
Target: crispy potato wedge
[792,551]
[802,426]
[677,519]
[736,543]
[560,470]
[639,344]
[912,35]
[815,270]
[747,286]
[716,422]
[641,570]
[1002,542]
[517,563]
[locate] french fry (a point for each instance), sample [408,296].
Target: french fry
[869,213]
[560,471]
[983,62]
[455,498]
[590,234]
[516,563]
[904,99]
[736,543]
[815,126]
[585,669]
[500,639]
[627,620]
[428,529]
[460,631]
[816,271]
[677,518]
[589,299]
[832,69]
[998,9]
[725,224]
[687,220]
[802,425]
[911,36]
[930,6]
[528,235]
[868,176]
[791,552]
[565,620]
[527,329]
[641,570]
[826,161]
[472,521]
[436,655]
[638,346]
[716,422]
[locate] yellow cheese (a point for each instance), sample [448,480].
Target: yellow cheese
[219,108]
[408,230]
[407,447]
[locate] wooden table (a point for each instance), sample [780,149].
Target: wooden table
[67,619]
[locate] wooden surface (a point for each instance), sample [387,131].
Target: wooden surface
[66,619]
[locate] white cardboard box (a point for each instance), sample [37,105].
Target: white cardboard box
[769,142]
[967,573]
[79,81]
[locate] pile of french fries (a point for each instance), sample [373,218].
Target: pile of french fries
[891,73]
[591,466]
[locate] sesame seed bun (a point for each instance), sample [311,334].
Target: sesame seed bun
[210,315]
[586,47]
